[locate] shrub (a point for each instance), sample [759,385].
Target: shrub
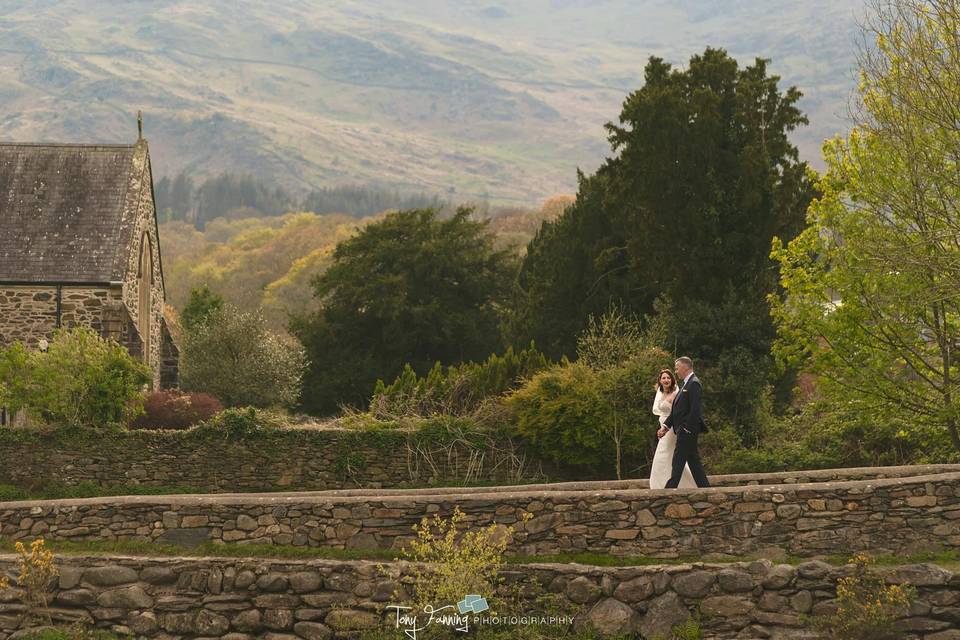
[825,435]
[233,356]
[562,413]
[82,379]
[460,563]
[238,424]
[176,410]
[867,607]
[584,418]
[37,572]
[456,390]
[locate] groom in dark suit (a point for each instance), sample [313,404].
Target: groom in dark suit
[686,420]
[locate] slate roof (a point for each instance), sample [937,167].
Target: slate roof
[63,212]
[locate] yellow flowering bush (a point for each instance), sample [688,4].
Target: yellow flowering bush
[867,607]
[37,572]
[459,564]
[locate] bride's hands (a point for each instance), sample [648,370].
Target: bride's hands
[661,432]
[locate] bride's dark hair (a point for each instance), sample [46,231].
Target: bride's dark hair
[673,380]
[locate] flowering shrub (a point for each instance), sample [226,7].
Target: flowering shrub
[460,564]
[233,356]
[37,572]
[176,410]
[867,607]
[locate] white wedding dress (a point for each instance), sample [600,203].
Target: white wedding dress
[662,466]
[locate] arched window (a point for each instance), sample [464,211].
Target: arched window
[145,290]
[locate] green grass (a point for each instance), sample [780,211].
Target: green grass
[55,491]
[75,632]
[87,489]
[289,552]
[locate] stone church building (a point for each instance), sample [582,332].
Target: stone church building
[79,247]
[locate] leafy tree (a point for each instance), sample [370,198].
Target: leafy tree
[610,340]
[233,357]
[872,282]
[81,379]
[409,289]
[202,304]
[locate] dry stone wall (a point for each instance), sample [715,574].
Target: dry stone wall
[310,459]
[324,599]
[888,515]
[284,459]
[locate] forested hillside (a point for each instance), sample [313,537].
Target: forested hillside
[235,196]
[269,260]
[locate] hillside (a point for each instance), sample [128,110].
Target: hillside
[269,262]
[463,98]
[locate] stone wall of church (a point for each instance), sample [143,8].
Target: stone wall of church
[146,228]
[169,359]
[29,313]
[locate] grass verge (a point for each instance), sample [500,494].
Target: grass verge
[947,559]
[10,493]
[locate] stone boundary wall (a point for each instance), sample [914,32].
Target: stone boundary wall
[282,459]
[294,459]
[892,515]
[323,599]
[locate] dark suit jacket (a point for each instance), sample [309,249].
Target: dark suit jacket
[686,415]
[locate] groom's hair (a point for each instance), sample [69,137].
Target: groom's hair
[687,362]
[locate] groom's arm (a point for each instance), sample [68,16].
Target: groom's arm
[691,421]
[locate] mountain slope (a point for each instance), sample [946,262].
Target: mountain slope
[467,99]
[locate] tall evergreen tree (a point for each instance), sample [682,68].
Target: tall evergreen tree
[704,177]
[203,303]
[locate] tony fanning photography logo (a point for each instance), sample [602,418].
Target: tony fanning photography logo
[460,616]
[472,604]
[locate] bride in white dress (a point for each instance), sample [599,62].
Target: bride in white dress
[662,465]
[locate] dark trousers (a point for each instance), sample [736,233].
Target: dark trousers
[686,453]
